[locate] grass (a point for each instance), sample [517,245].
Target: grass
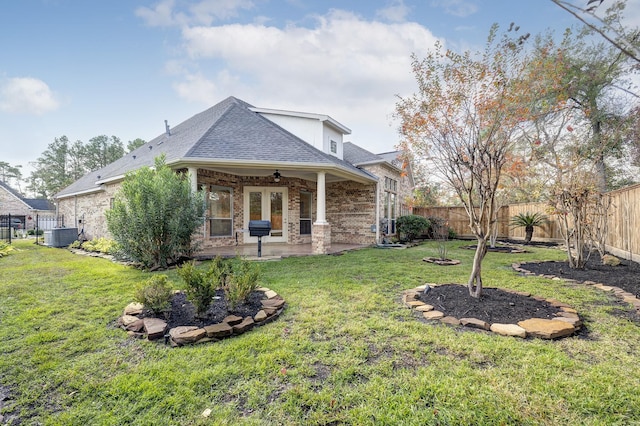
[344,351]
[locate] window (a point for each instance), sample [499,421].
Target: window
[305,213]
[220,211]
[389,208]
[334,147]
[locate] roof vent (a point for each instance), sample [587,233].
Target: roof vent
[167,128]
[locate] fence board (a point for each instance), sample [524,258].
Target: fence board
[623,234]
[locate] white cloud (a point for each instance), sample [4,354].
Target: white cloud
[397,11]
[343,66]
[167,13]
[26,95]
[460,8]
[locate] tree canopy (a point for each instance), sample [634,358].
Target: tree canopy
[463,118]
[64,161]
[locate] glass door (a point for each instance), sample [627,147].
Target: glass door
[266,203]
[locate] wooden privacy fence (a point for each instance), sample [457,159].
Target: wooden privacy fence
[623,222]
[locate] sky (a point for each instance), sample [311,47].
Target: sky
[81,69]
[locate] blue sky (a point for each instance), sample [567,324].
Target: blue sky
[121,67]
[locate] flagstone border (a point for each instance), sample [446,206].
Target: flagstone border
[232,325]
[623,295]
[566,323]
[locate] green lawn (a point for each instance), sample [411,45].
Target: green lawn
[344,351]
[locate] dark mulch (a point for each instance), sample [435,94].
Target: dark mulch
[625,276]
[183,312]
[495,305]
[500,306]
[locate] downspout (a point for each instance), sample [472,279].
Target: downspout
[378,211]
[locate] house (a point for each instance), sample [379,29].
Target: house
[291,168]
[24,209]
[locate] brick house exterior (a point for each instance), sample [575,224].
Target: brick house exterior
[25,209]
[288,167]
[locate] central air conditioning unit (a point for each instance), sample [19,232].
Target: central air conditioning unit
[60,237]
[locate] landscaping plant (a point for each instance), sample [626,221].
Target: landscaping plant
[411,226]
[155,293]
[241,282]
[200,288]
[464,119]
[154,215]
[529,221]
[5,248]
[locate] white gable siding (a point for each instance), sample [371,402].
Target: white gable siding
[312,130]
[329,134]
[309,130]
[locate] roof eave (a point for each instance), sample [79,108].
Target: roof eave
[83,192]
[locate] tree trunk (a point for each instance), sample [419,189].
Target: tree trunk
[475,280]
[529,233]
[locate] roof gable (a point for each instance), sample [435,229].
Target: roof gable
[32,203]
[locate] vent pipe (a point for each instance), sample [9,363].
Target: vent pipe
[167,128]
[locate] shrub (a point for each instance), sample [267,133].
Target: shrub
[5,248]
[219,272]
[241,283]
[411,226]
[200,287]
[238,279]
[100,245]
[155,293]
[34,232]
[154,215]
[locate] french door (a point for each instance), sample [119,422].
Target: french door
[266,203]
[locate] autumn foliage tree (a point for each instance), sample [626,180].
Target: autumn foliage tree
[462,120]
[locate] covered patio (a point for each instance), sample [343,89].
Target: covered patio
[272,251]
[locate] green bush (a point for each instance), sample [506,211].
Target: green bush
[34,232]
[200,287]
[5,248]
[241,283]
[411,226]
[101,245]
[154,215]
[155,293]
[238,278]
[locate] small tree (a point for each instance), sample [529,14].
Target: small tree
[528,221]
[463,119]
[154,216]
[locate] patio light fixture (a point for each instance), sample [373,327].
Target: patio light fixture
[276,176]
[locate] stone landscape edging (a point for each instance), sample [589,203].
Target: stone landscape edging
[623,295]
[565,324]
[232,325]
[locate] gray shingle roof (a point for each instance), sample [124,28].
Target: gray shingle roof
[228,131]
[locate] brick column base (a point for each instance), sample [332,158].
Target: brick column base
[321,238]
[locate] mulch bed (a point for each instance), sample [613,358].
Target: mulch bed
[183,312]
[626,275]
[500,306]
[494,306]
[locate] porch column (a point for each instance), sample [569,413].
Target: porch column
[321,230]
[193,176]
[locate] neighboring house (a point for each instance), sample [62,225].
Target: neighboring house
[288,167]
[25,209]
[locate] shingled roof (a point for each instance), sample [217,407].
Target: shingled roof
[227,133]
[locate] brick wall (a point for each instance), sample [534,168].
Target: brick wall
[87,211]
[351,212]
[350,209]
